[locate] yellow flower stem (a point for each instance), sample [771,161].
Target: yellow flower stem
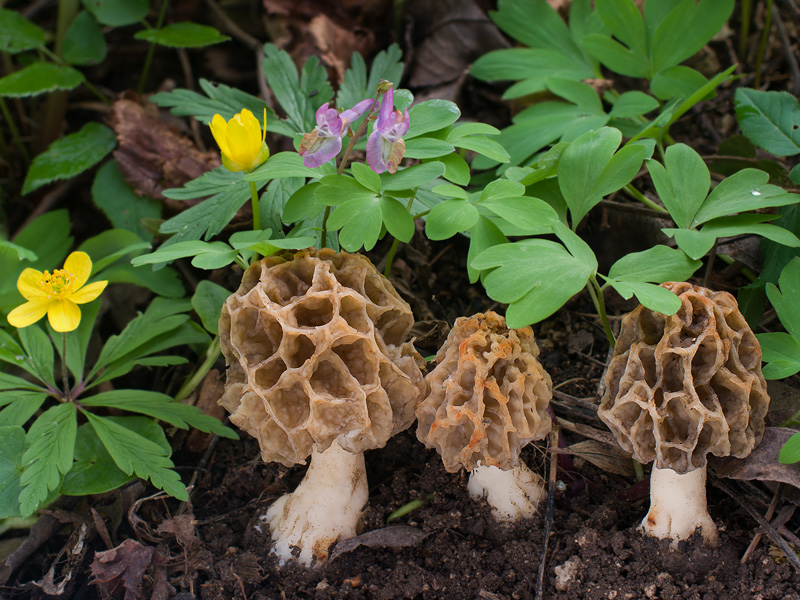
[256,210]
[64,376]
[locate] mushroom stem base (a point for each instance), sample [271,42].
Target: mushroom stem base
[325,507]
[512,494]
[678,506]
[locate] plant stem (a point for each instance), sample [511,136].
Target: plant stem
[762,45]
[151,49]
[256,208]
[324,238]
[596,292]
[197,377]
[644,199]
[64,377]
[744,31]
[395,243]
[90,86]
[12,127]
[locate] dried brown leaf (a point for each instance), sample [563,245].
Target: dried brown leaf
[762,464]
[182,527]
[609,458]
[395,536]
[120,571]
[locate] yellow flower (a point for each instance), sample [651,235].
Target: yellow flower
[241,140]
[56,294]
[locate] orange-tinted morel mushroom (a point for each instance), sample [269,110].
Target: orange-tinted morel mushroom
[679,388]
[488,398]
[318,364]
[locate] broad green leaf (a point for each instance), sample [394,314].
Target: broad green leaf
[533,66]
[449,218]
[694,243]
[17,33]
[303,204]
[615,56]
[424,147]
[39,78]
[682,184]
[396,219]
[84,43]
[484,234]
[576,246]
[676,82]
[621,169]
[40,352]
[652,296]
[502,188]
[207,303]
[366,177]
[12,353]
[486,146]
[124,208]
[655,265]
[523,211]
[205,255]
[118,13]
[751,224]
[456,169]
[49,447]
[580,167]
[12,382]
[182,35]
[686,29]
[431,115]
[12,441]
[782,352]
[790,451]
[746,190]
[358,221]
[771,120]
[451,191]
[625,21]
[20,252]
[465,129]
[282,164]
[335,190]
[133,453]
[787,300]
[411,177]
[71,155]
[20,406]
[633,104]
[162,407]
[536,277]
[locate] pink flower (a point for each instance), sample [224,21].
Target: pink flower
[325,142]
[385,146]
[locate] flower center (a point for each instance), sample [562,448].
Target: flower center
[58,283]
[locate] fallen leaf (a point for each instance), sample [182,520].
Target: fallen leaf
[395,536]
[762,464]
[608,458]
[182,527]
[121,570]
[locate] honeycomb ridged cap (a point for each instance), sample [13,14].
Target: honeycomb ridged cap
[683,386]
[316,350]
[488,395]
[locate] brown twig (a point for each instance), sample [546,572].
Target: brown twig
[787,48]
[790,554]
[232,28]
[548,518]
[770,511]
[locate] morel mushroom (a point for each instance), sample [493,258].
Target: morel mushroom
[488,398]
[679,388]
[318,363]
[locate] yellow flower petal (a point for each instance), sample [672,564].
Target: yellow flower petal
[79,265]
[240,148]
[264,132]
[253,128]
[88,293]
[64,315]
[232,165]
[218,128]
[29,285]
[29,313]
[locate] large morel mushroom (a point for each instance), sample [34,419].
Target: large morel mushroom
[679,388]
[318,364]
[488,397]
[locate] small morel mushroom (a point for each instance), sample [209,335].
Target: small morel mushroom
[488,398]
[679,388]
[318,363]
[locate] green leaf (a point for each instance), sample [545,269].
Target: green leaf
[12,441]
[655,265]
[71,155]
[523,211]
[790,452]
[123,208]
[536,277]
[280,165]
[782,352]
[484,145]
[676,82]
[358,221]
[366,177]
[615,56]
[533,66]
[464,129]
[787,299]
[118,13]
[633,104]
[49,448]
[39,78]
[12,382]
[431,115]
[411,177]
[625,21]
[396,219]
[40,352]
[207,302]
[771,120]
[449,218]
[303,204]
[205,255]
[20,406]
[182,35]
[682,184]
[652,296]
[17,33]
[751,224]
[456,169]
[133,453]
[162,407]
[746,190]
[84,43]
[694,243]
[424,147]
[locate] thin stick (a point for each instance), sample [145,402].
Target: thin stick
[770,512]
[548,519]
[769,529]
[762,45]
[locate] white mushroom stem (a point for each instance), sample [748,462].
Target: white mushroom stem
[324,508]
[512,494]
[678,506]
